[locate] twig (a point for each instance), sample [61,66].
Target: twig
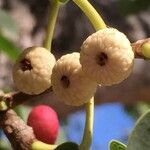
[17,98]
[137,48]
[19,134]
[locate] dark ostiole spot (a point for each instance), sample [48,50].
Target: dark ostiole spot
[25,64]
[65,81]
[101,59]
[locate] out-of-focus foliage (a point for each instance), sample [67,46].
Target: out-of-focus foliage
[140,136]
[128,7]
[61,136]
[8,47]
[23,111]
[8,25]
[137,110]
[4,145]
[63,1]
[8,31]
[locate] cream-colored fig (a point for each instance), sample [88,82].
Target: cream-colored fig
[107,57]
[70,83]
[32,71]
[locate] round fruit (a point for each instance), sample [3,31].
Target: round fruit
[44,121]
[70,83]
[107,57]
[32,71]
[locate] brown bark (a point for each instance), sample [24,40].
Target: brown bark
[19,134]
[17,98]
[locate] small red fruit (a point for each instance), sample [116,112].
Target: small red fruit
[44,121]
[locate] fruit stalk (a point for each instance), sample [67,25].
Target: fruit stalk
[55,5]
[98,24]
[91,13]
[88,130]
[141,48]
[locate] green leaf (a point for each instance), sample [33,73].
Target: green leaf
[23,112]
[9,48]
[7,24]
[68,146]
[116,145]
[140,136]
[4,145]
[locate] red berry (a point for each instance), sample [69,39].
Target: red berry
[44,121]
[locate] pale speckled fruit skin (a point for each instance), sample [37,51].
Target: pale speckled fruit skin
[120,57]
[81,88]
[38,79]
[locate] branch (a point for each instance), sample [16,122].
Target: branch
[137,47]
[19,134]
[17,98]
[13,99]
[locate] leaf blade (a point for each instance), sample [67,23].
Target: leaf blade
[116,145]
[140,136]
[9,48]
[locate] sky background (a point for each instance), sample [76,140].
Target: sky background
[111,122]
